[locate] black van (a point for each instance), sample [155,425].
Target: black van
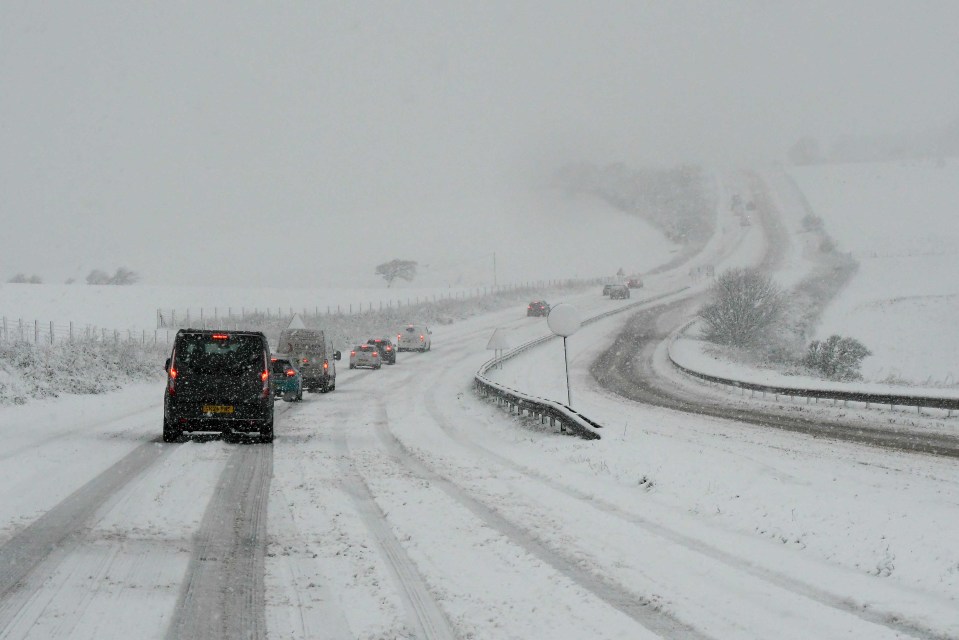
[218,381]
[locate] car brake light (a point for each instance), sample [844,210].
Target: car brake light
[171,383]
[272,359]
[306,360]
[389,348]
[221,336]
[290,372]
[376,353]
[265,376]
[422,339]
[398,336]
[326,364]
[352,353]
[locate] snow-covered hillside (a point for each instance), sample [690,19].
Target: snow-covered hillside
[899,221]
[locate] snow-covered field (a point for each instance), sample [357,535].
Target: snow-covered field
[899,221]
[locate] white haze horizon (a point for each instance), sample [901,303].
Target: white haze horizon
[302,144]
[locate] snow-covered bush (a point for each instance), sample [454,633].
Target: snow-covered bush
[29,370]
[745,307]
[22,278]
[837,357]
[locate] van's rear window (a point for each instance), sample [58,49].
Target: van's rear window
[203,354]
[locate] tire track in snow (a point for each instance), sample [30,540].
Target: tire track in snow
[222,596]
[593,501]
[613,594]
[423,612]
[60,530]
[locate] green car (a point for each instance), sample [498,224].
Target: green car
[287,380]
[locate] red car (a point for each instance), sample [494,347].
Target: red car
[537,308]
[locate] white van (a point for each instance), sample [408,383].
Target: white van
[314,357]
[414,337]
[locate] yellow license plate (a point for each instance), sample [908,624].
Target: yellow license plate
[217,408]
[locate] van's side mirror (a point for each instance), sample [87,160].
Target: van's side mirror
[337,355]
[166,367]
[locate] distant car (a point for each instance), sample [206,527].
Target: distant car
[634,282]
[745,222]
[414,337]
[287,380]
[218,381]
[618,292]
[606,288]
[387,350]
[365,355]
[315,357]
[537,308]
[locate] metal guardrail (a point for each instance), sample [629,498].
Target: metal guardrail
[867,398]
[544,409]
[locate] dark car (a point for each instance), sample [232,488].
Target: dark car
[386,348]
[218,381]
[287,379]
[606,288]
[618,292]
[537,308]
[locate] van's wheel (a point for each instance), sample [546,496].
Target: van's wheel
[299,396]
[170,433]
[266,432]
[288,396]
[333,386]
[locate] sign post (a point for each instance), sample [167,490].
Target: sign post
[564,320]
[498,342]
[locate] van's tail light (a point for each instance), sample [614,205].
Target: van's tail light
[422,338]
[265,377]
[326,364]
[290,373]
[352,353]
[376,353]
[398,336]
[171,381]
[221,336]
[389,348]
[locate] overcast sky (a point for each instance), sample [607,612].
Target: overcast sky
[197,141]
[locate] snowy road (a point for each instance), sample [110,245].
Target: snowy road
[402,506]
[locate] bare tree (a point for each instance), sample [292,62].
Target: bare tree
[122,276]
[98,277]
[746,305]
[22,278]
[390,271]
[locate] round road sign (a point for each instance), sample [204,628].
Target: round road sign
[563,320]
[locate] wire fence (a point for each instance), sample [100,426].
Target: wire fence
[237,317]
[50,332]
